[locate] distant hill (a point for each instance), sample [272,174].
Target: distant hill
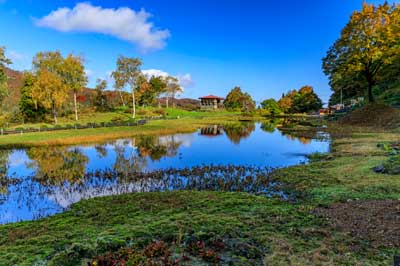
[15,82]
[184,103]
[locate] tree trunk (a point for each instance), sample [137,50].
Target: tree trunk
[76,108]
[122,98]
[166,101]
[173,100]
[370,94]
[54,114]
[133,105]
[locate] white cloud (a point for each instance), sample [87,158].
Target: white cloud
[15,56]
[89,73]
[154,72]
[123,23]
[185,80]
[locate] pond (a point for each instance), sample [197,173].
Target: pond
[41,181]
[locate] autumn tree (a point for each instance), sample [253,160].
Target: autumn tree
[369,42]
[126,74]
[31,110]
[49,91]
[144,91]
[4,61]
[236,100]
[48,88]
[302,101]
[286,101]
[68,73]
[74,77]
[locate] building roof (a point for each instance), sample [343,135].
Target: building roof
[211,97]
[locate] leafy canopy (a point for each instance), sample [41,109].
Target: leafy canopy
[369,42]
[271,106]
[236,100]
[304,100]
[4,61]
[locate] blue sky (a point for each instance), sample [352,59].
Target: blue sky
[266,47]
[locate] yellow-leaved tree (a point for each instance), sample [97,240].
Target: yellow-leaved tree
[74,77]
[49,90]
[369,42]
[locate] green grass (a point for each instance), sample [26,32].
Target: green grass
[90,135]
[123,115]
[279,232]
[258,230]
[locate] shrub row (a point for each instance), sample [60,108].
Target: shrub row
[20,130]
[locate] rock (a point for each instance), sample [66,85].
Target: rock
[395,171]
[379,169]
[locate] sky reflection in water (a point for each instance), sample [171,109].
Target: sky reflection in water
[41,181]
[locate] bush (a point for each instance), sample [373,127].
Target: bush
[117,118]
[142,112]
[160,112]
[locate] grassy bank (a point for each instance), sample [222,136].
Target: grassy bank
[345,214]
[123,115]
[90,135]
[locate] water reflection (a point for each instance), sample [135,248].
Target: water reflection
[56,165]
[41,181]
[237,132]
[212,130]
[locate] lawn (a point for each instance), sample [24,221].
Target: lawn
[183,124]
[121,114]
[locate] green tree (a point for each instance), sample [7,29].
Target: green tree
[4,61]
[369,41]
[158,85]
[127,72]
[27,106]
[237,100]
[306,100]
[271,106]
[74,77]
[100,100]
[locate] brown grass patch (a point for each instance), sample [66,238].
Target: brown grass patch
[376,223]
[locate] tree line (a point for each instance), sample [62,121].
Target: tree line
[365,60]
[56,80]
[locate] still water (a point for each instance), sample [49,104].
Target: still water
[42,181]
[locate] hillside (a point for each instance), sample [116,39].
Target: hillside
[374,115]
[15,82]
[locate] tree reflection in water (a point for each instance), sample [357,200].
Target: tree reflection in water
[50,179]
[238,131]
[4,165]
[56,165]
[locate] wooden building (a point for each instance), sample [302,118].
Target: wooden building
[211,102]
